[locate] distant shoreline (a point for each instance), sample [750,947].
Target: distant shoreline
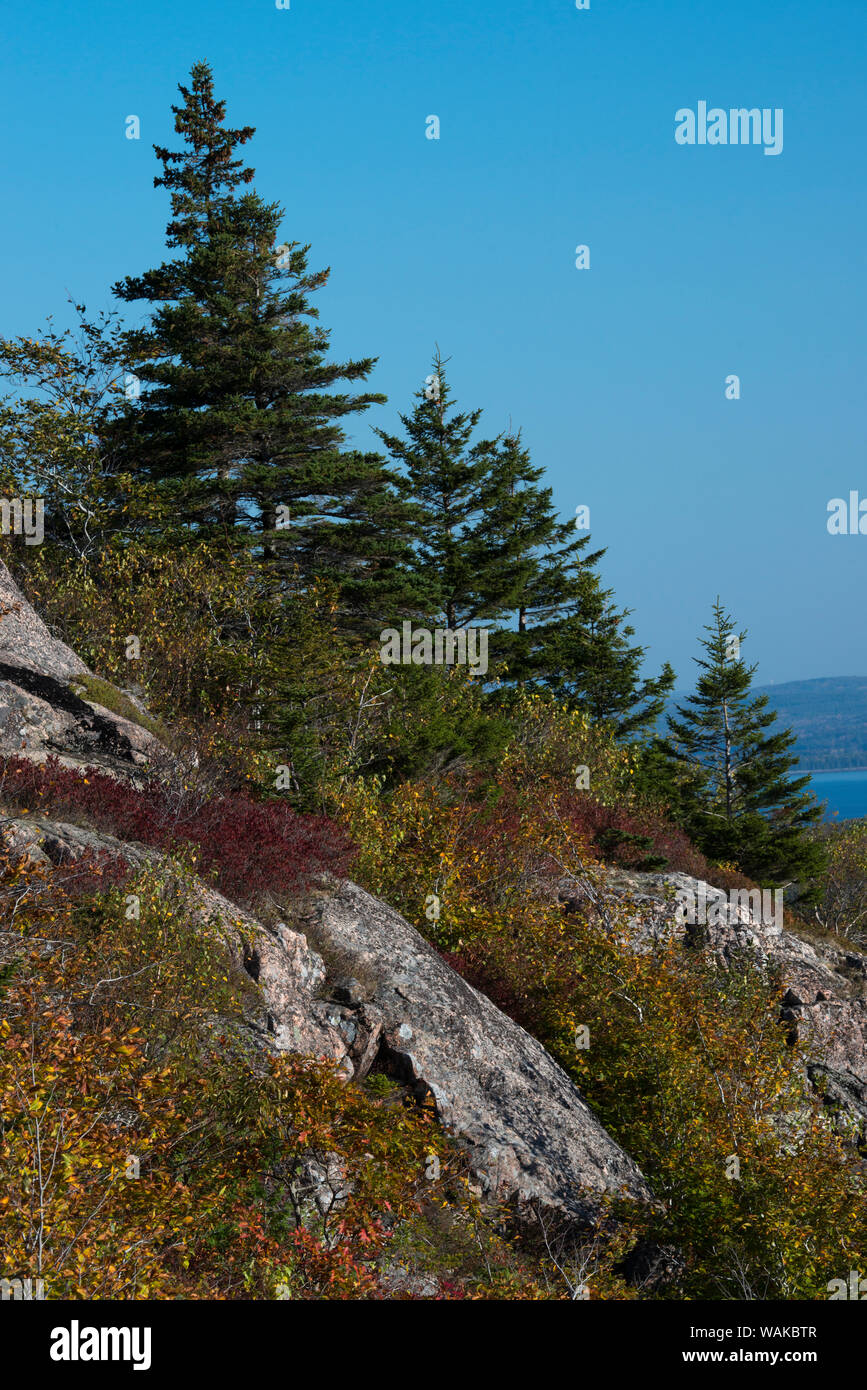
[826,771]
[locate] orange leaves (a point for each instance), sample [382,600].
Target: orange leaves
[184,1176]
[687,1064]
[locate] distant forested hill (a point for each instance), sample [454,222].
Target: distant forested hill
[829,717]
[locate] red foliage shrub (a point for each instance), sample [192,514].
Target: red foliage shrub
[91,873]
[727,879]
[248,846]
[449,1289]
[630,836]
[626,835]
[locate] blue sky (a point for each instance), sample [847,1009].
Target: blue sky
[557,129]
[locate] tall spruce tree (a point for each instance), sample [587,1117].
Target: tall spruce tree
[566,635]
[442,473]
[486,543]
[237,422]
[742,804]
[542,555]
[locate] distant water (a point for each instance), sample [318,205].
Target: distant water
[845,792]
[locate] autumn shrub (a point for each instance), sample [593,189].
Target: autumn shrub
[152,958]
[692,1071]
[135,1165]
[634,836]
[247,846]
[841,905]
[687,1067]
[200,634]
[577,768]
[242,671]
[150,1183]
[190,608]
[552,743]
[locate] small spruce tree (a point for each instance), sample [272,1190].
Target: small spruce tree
[742,805]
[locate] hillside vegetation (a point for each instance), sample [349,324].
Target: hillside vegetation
[227,568]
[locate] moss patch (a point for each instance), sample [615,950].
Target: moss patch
[101,692]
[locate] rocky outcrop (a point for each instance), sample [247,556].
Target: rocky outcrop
[348,979]
[44,706]
[285,1013]
[25,640]
[374,994]
[823,984]
[525,1124]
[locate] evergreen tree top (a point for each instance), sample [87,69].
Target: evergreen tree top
[729,738]
[201,176]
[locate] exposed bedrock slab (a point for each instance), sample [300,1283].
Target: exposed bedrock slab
[529,1132]
[43,712]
